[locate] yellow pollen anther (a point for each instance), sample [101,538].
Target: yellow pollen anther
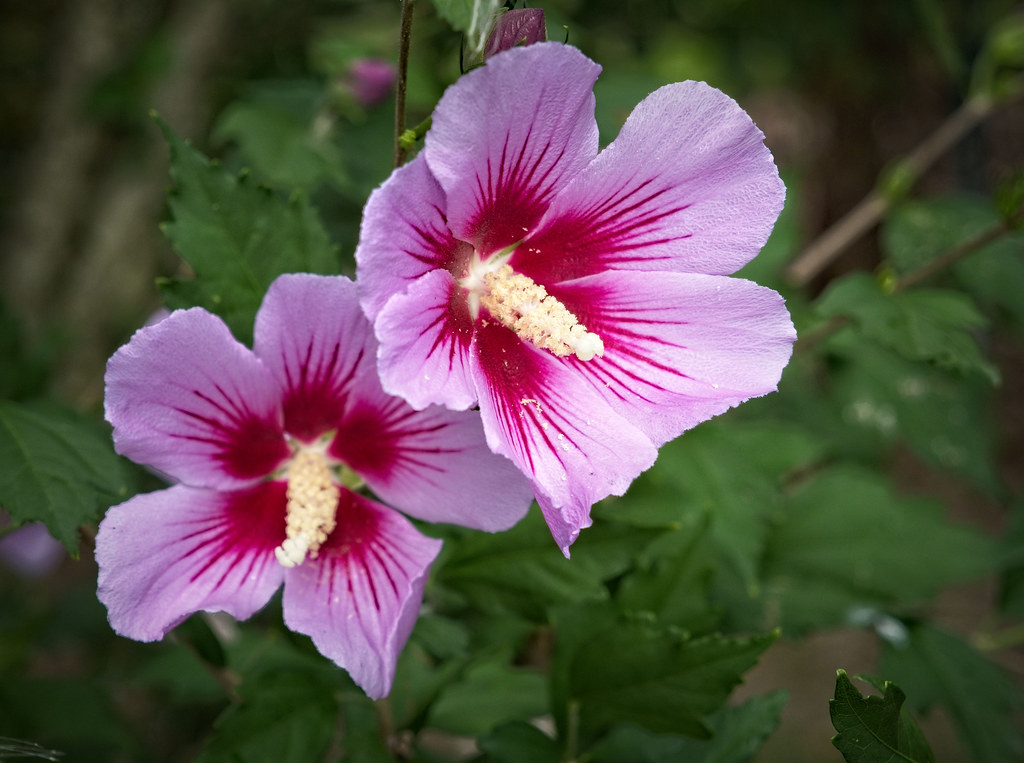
[312,503]
[524,306]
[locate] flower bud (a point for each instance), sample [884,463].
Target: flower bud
[524,26]
[370,80]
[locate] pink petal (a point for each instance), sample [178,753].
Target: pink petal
[187,399]
[540,412]
[164,555]
[316,342]
[687,186]
[433,464]
[507,136]
[680,347]
[359,598]
[425,336]
[405,234]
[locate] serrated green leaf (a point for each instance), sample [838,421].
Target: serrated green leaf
[919,231]
[237,236]
[938,668]
[673,579]
[419,680]
[441,637]
[657,678]
[737,734]
[522,571]
[728,471]
[58,468]
[879,399]
[273,125]
[487,694]
[285,717]
[845,542]
[875,729]
[472,17]
[929,325]
[518,741]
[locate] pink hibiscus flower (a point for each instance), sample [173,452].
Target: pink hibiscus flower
[580,299]
[269,448]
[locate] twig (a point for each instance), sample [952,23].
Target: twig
[863,217]
[405,36]
[914,277]
[955,254]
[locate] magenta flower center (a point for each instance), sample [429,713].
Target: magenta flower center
[521,304]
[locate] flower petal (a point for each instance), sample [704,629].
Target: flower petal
[164,555]
[433,464]
[680,347]
[688,185]
[405,234]
[359,598]
[187,399]
[318,345]
[425,335]
[507,136]
[542,413]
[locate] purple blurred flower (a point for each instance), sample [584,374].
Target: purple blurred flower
[514,28]
[267,445]
[30,550]
[581,299]
[370,80]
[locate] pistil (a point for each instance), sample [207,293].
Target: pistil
[521,304]
[312,502]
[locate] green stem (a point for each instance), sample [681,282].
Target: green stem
[409,138]
[404,39]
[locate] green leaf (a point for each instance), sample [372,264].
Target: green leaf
[919,231]
[875,729]
[738,733]
[273,125]
[522,571]
[1011,592]
[936,667]
[729,471]
[489,693]
[361,738]
[58,467]
[880,399]
[419,680]
[846,544]
[657,678]
[929,325]
[237,236]
[471,17]
[283,716]
[673,579]
[518,741]
[89,729]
